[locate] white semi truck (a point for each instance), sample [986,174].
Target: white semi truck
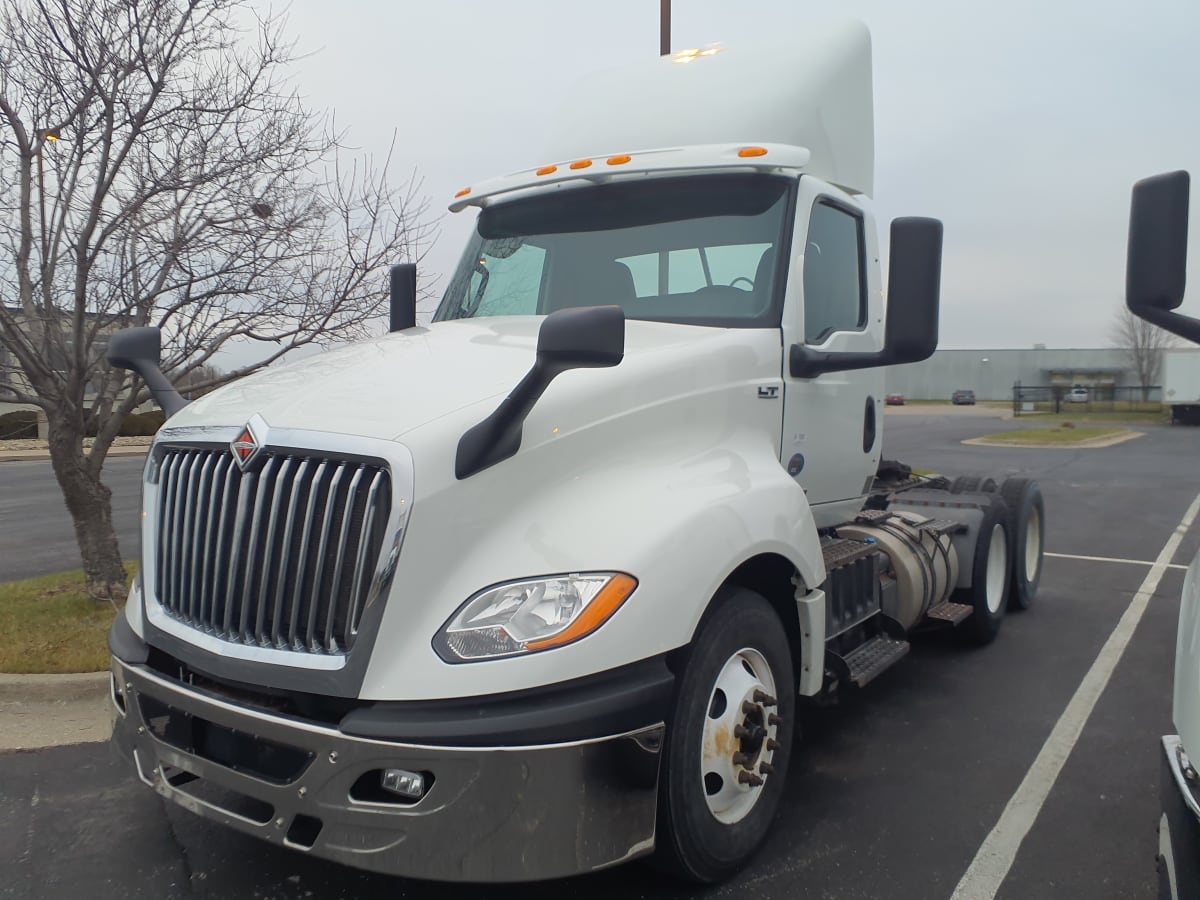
[536,589]
[1155,279]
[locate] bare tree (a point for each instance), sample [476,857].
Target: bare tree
[1143,345]
[158,169]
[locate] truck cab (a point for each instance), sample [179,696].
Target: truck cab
[535,589]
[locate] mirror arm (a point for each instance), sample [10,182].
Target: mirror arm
[138,350]
[169,400]
[498,436]
[804,362]
[1184,326]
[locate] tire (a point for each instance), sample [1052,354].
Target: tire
[710,824]
[965,484]
[990,571]
[1027,527]
[974,484]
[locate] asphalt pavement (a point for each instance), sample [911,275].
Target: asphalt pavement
[36,535]
[892,792]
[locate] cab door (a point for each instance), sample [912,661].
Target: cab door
[832,426]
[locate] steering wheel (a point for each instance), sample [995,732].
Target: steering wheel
[742,278]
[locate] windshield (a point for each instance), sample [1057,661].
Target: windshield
[701,250]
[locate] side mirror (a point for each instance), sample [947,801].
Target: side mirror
[914,287]
[586,337]
[139,350]
[914,290]
[403,301]
[1156,263]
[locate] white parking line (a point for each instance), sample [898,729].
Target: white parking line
[1115,559]
[995,857]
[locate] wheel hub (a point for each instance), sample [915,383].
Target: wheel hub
[740,736]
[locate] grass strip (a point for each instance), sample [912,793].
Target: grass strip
[1055,435]
[50,625]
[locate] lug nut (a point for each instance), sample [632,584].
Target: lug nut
[748,707]
[764,698]
[773,744]
[773,719]
[741,731]
[749,778]
[766,768]
[742,759]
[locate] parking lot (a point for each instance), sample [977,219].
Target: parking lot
[896,792]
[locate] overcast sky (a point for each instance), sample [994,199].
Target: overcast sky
[1022,125]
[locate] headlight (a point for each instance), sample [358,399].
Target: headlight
[527,616]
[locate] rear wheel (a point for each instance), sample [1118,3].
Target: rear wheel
[1026,527]
[727,747]
[988,594]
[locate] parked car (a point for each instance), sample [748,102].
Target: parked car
[895,400]
[1077,395]
[963,398]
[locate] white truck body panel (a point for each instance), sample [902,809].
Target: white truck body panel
[823,417]
[1186,703]
[819,84]
[676,439]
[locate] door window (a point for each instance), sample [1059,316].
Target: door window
[835,297]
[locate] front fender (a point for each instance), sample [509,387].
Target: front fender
[679,523]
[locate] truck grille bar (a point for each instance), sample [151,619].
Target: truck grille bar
[281,556]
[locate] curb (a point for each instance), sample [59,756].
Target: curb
[1090,444]
[13,455]
[39,711]
[51,688]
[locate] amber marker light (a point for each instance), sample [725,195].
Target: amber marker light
[462,193]
[619,160]
[752,151]
[547,170]
[581,164]
[599,611]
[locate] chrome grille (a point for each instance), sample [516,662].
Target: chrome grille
[280,556]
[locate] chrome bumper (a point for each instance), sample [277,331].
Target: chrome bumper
[490,814]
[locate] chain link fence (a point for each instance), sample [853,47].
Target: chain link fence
[1029,399]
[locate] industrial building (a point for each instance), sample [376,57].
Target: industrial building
[991,374]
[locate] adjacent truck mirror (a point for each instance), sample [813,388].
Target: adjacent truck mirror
[587,337]
[403,305]
[139,350]
[914,286]
[1156,266]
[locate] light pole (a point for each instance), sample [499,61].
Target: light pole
[44,136]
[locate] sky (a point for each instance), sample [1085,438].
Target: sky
[1021,125]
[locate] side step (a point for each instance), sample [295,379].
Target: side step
[949,612]
[870,659]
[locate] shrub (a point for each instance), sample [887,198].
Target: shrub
[142,424]
[20,425]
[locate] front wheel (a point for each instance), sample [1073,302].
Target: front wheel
[727,748]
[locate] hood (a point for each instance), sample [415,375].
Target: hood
[385,387]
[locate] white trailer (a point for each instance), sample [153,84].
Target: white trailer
[536,589]
[1181,384]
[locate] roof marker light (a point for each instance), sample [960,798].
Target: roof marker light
[619,160]
[752,151]
[547,170]
[463,192]
[581,164]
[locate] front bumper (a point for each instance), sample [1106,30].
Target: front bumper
[1179,824]
[512,813]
